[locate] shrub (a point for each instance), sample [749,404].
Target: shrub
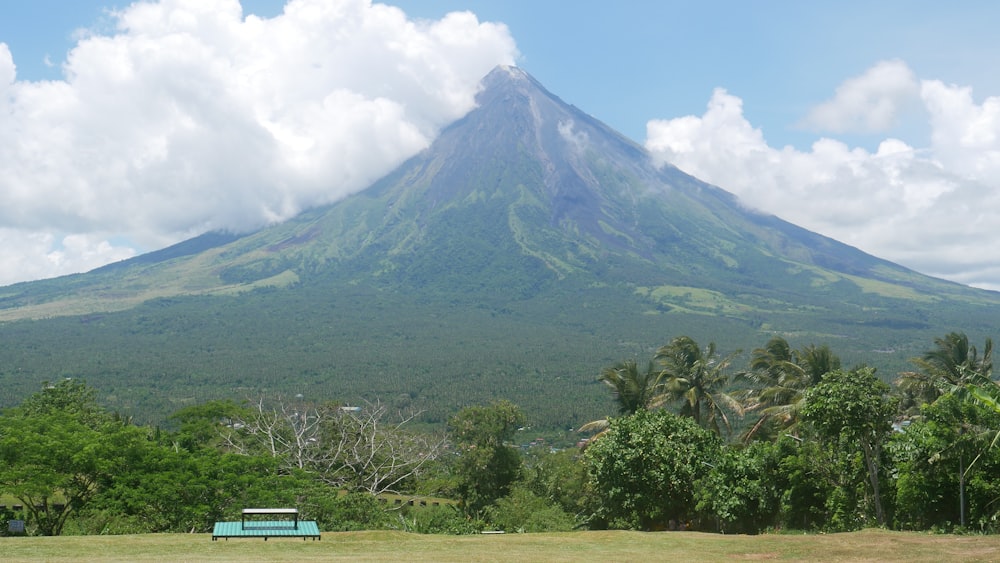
[350,512]
[443,519]
[524,511]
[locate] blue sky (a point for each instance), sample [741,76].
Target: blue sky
[875,123]
[632,61]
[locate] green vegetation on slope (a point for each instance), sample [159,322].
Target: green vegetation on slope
[434,349]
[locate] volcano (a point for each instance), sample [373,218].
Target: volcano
[528,247]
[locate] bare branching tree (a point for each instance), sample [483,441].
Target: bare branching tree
[354,448]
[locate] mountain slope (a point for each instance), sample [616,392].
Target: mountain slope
[522,191]
[530,245]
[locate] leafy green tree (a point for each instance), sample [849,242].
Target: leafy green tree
[169,489]
[644,470]
[853,409]
[487,465]
[741,491]
[52,463]
[985,392]
[952,445]
[70,397]
[202,425]
[804,476]
[56,451]
[952,368]
[937,485]
[698,379]
[62,455]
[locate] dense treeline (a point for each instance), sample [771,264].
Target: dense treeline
[353,346]
[434,354]
[794,440]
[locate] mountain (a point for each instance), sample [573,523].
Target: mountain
[528,247]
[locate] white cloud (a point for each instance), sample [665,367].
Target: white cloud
[930,208]
[576,139]
[965,135]
[188,117]
[869,103]
[39,253]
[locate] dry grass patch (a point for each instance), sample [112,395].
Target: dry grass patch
[869,545]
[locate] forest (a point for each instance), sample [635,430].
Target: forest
[791,441]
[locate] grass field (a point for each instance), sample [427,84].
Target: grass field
[868,545]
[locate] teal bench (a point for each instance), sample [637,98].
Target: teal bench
[283,522]
[294,512]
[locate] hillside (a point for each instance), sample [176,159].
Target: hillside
[526,249]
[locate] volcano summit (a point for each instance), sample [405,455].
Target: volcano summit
[527,248]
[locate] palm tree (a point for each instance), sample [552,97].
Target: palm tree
[698,378]
[953,367]
[779,376]
[633,391]
[816,361]
[950,365]
[983,390]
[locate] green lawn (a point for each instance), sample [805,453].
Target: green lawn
[869,545]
